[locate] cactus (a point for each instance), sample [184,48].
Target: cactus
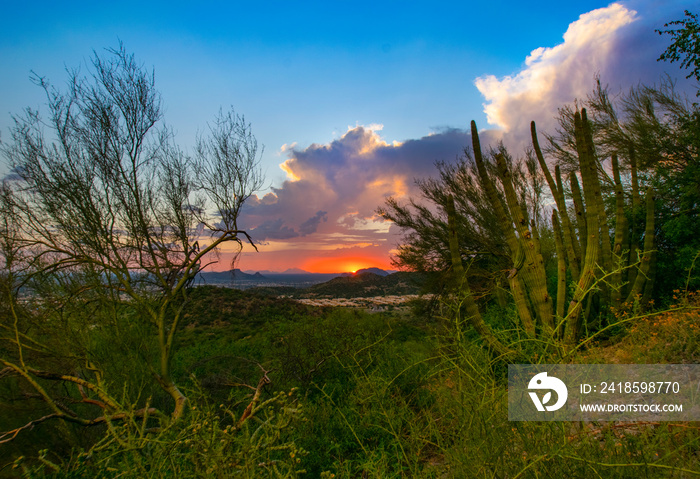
[462,286]
[636,205]
[589,176]
[533,271]
[585,248]
[515,282]
[619,255]
[571,245]
[580,211]
[561,271]
[648,254]
[605,247]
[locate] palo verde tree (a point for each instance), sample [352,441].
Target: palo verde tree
[106,222]
[585,255]
[463,237]
[685,47]
[652,132]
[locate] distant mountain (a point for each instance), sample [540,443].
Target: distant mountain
[227,276]
[266,272]
[261,279]
[295,271]
[365,285]
[377,271]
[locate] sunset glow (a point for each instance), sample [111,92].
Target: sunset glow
[343,264]
[339,134]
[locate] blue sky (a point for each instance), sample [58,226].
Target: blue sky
[299,71]
[306,73]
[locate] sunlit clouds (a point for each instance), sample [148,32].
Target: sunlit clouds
[325,210]
[557,74]
[617,42]
[328,202]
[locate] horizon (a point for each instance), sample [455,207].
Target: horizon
[292,271]
[351,105]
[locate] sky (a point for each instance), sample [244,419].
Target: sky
[351,101]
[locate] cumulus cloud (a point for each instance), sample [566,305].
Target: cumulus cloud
[333,190]
[617,42]
[558,71]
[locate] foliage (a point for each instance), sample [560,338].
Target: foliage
[611,240]
[670,337]
[210,441]
[383,396]
[105,224]
[425,246]
[685,47]
[654,132]
[101,329]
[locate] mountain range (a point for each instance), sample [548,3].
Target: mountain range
[379,271]
[294,277]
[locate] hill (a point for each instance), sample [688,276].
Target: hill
[377,271]
[365,284]
[224,277]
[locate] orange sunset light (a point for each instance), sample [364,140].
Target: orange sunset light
[343,264]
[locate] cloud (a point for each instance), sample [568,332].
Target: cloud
[333,190]
[286,147]
[617,42]
[549,72]
[311,225]
[272,230]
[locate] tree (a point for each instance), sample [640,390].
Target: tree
[468,227]
[549,313]
[685,47]
[653,131]
[106,224]
[424,221]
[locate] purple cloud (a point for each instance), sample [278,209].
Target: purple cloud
[311,225]
[272,230]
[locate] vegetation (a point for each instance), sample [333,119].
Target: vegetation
[115,365]
[686,44]
[365,284]
[606,243]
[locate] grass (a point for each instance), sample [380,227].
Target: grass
[375,396]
